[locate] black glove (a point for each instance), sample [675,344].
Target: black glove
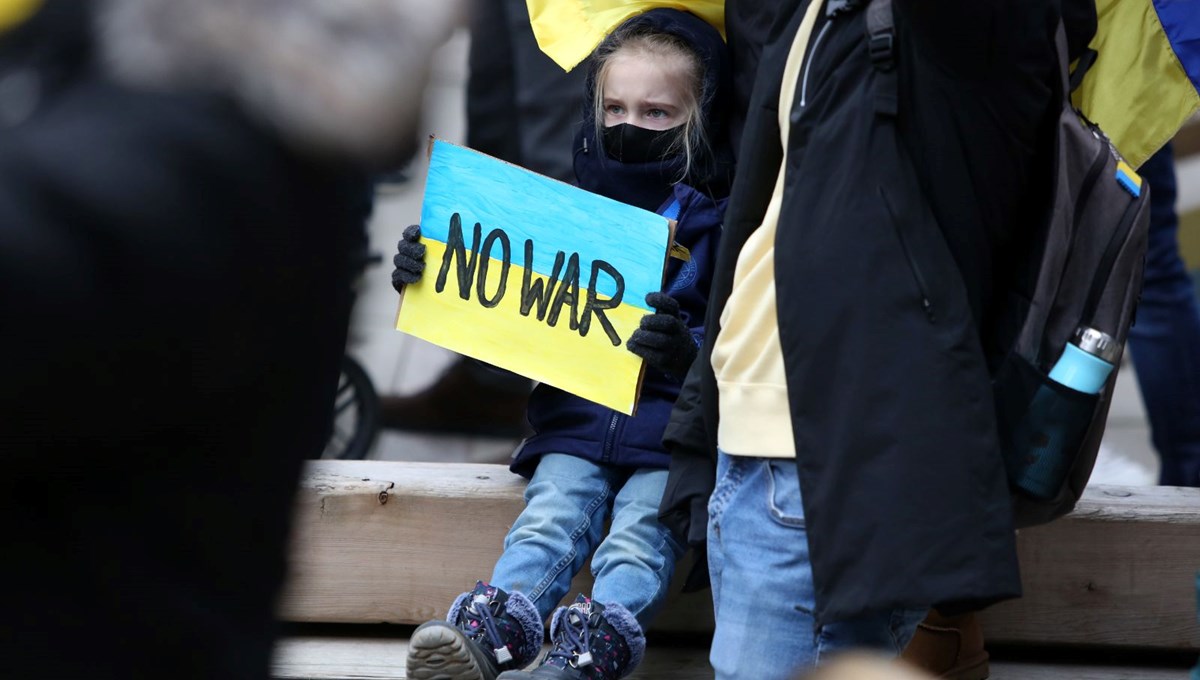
[662,339]
[409,258]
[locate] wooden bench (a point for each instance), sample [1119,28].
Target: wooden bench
[393,542]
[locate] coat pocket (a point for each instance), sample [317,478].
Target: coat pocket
[918,275]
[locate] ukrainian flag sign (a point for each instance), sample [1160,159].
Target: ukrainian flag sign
[534,275]
[1146,79]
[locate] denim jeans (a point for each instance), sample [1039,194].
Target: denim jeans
[762,580]
[567,503]
[1165,339]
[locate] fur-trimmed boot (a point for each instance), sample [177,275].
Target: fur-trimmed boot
[486,632]
[589,640]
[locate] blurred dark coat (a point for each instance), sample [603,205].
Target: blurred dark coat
[175,287]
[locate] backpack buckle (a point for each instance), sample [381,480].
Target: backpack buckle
[880,47]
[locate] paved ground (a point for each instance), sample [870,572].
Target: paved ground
[401,364]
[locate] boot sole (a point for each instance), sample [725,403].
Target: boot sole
[438,651]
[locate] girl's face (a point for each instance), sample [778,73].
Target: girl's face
[645,92]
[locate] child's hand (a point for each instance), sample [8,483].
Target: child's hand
[409,258]
[662,339]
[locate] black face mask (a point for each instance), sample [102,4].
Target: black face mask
[627,143]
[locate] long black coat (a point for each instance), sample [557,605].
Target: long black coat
[892,234]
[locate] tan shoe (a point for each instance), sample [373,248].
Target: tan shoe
[949,647]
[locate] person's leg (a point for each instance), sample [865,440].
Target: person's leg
[603,636]
[1165,339]
[635,561]
[761,578]
[497,626]
[566,504]
[763,592]
[887,631]
[462,401]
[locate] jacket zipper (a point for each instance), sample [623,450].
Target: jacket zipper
[809,62]
[610,437]
[913,267]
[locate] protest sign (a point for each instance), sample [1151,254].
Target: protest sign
[534,275]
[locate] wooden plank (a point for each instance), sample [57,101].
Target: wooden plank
[1120,570]
[1028,671]
[395,542]
[315,658]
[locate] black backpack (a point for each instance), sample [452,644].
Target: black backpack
[1082,269]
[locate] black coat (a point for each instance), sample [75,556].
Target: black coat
[891,234]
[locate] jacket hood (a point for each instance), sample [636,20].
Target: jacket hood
[343,77]
[636,182]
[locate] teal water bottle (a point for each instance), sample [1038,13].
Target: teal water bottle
[1087,361]
[1056,423]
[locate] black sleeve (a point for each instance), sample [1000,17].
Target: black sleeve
[692,475]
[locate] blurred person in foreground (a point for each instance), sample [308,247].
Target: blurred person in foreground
[865,667]
[183,188]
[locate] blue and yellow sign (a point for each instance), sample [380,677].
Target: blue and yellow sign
[534,275]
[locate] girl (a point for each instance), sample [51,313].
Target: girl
[652,138]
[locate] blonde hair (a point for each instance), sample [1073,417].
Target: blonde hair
[642,40]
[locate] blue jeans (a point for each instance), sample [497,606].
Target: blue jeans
[567,503]
[762,581]
[1165,340]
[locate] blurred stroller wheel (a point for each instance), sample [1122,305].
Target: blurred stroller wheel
[355,414]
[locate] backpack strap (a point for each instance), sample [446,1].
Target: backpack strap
[881,44]
[1071,79]
[1086,60]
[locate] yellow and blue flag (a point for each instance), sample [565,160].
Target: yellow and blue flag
[568,30]
[1145,82]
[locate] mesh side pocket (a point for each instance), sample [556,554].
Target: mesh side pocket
[1042,424]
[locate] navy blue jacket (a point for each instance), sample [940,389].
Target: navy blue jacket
[565,423]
